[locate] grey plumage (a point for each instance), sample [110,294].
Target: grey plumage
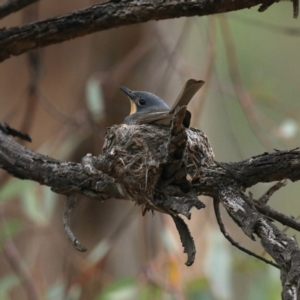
[147,108]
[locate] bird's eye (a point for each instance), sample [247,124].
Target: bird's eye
[142,102]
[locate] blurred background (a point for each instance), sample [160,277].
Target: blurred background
[66,95]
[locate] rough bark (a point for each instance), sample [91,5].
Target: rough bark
[159,169]
[63,177]
[131,167]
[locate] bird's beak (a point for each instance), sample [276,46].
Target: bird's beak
[130,95]
[127,91]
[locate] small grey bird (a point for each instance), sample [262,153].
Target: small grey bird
[147,108]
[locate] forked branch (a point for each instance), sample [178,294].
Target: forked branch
[131,167]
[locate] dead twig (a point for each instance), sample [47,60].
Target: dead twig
[70,204]
[263,200]
[230,239]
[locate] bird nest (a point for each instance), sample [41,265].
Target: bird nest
[136,156]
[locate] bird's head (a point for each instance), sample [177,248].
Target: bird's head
[143,101]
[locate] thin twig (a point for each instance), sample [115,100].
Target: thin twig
[279,217]
[266,196]
[70,204]
[228,237]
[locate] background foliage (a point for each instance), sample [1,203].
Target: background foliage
[66,95]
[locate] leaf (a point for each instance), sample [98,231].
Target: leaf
[32,205]
[199,288]
[7,283]
[56,292]
[13,188]
[94,98]
[121,289]
[219,265]
[9,229]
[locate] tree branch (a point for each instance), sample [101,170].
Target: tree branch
[63,177]
[285,251]
[131,168]
[111,14]
[267,167]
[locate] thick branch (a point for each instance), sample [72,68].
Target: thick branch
[267,167]
[135,156]
[63,177]
[284,250]
[69,177]
[111,14]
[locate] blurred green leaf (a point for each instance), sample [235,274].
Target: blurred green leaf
[12,226]
[149,292]
[49,201]
[94,98]
[13,188]
[74,292]
[121,289]
[32,204]
[56,292]
[7,283]
[219,265]
[198,288]
[266,285]
[248,265]
[9,229]
[169,239]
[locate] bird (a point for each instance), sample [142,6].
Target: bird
[147,108]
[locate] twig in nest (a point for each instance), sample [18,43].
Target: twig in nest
[233,242]
[263,200]
[177,143]
[178,135]
[70,204]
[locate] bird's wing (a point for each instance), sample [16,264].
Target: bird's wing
[158,116]
[162,118]
[190,88]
